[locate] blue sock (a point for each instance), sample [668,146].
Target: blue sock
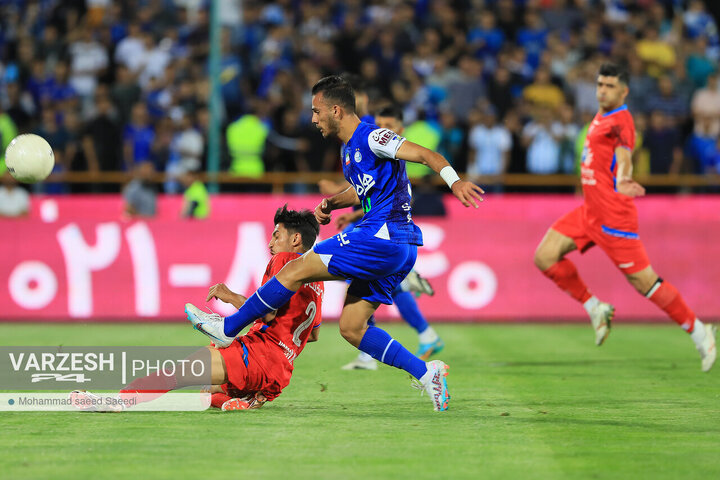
[381,346]
[406,304]
[267,298]
[371,321]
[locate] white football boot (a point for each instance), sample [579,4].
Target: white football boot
[601,317]
[362,362]
[707,350]
[211,324]
[435,385]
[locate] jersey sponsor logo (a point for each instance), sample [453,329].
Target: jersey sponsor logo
[342,238]
[365,183]
[358,156]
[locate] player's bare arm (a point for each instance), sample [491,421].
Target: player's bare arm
[224,294]
[467,192]
[328,187]
[347,218]
[346,198]
[625,183]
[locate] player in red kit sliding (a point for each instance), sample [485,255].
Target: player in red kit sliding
[257,366]
[608,218]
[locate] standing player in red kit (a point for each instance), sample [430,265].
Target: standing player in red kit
[257,366]
[609,219]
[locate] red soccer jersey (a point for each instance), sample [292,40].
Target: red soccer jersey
[294,321]
[604,205]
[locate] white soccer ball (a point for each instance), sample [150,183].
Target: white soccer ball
[29,158]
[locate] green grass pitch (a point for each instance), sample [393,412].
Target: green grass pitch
[528,402]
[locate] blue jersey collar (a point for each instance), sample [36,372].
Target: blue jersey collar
[619,109]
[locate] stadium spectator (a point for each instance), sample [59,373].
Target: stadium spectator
[184,153]
[489,144]
[140,194]
[467,89]
[246,142]
[88,59]
[542,92]
[101,142]
[566,131]
[667,101]
[138,138]
[451,140]
[663,141]
[14,200]
[706,105]
[8,131]
[656,53]
[196,201]
[543,148]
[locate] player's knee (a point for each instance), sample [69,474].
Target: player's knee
[543,258]
[351,334]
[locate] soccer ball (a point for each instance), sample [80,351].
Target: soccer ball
[29,158]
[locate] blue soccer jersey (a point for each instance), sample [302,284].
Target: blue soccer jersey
[381,183]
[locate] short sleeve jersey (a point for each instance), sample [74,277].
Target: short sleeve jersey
[381,183]
[291,327]
[599,168]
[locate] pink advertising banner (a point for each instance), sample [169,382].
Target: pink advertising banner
[77,258]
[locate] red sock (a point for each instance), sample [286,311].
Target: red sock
[565,276]
[217,399]
[149,388]
[666,296]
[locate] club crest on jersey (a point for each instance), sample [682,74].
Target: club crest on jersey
[358,156]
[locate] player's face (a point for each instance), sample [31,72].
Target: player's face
[323,116]
[610,92]
[390,123]
[281,240]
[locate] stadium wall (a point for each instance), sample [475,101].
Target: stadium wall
[77,258]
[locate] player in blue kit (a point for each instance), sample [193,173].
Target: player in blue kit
[377,255]
[430,343]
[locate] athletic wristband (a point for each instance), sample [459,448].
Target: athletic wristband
[449,175]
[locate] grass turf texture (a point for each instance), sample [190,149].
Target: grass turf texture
[528,401]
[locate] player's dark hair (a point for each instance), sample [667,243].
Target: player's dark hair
[302,222]
[358,83]
[336,90]
[615,70]
[392,111]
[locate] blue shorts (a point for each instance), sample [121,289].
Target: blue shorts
[375,266]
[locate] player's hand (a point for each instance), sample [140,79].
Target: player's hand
[630,187]
[322,212]
[343,221]
[468,193]
[221,292]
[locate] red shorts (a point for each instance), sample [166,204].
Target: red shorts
[624,248]
[255,367]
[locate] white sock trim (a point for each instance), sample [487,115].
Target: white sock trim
[591,303]
[264,302]
[698,333]
[428,335]
[382,359]
[653,289]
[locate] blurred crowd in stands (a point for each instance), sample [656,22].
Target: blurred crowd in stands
[494,85]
